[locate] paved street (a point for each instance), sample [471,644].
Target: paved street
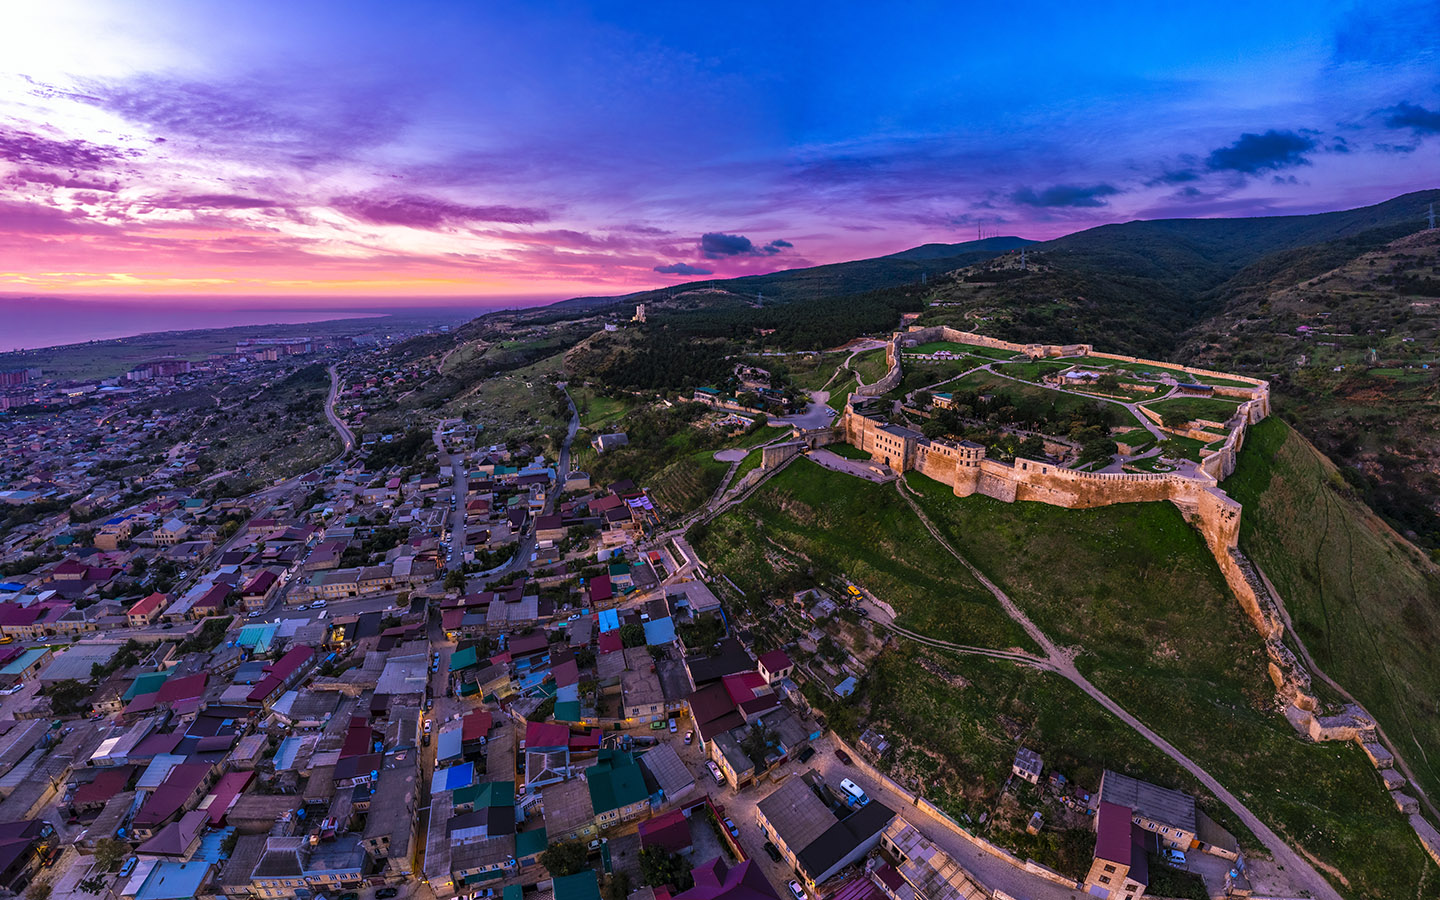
[989,870]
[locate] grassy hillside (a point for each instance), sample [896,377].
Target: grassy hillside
[1364,601]
[1134,587]
[809,525]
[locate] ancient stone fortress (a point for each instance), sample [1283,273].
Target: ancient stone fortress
[964,467]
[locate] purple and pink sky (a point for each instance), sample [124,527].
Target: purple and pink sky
[518,152]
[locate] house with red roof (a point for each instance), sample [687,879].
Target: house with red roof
[146,611]
[1121,868]
[258,591]
[775,665]
[181,790]
[600,589]
[715,880]
[281,674]
[669,831]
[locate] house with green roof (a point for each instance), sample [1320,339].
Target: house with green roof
[484,795]
[148,683]
[617,789]
[529,845]
[580,886]
[461,660]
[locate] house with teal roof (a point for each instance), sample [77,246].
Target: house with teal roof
[617,788]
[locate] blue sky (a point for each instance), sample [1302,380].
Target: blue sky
[549,149]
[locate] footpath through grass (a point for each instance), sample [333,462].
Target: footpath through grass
[1362,599]
[1136,588]
[870,365]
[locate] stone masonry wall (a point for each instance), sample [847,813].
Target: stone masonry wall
[1215,514]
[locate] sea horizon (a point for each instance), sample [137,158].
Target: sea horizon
[56,322]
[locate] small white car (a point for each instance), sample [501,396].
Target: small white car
[797,891]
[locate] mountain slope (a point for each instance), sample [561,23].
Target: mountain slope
[817,282]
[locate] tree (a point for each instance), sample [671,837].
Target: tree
[615,887]
[1031,448]
[455,580]
[1173,419]
[1097,449]
[565,858]
[632,634]
[924,398]
[109,852]
[38,890]
[68,697]
[659,866]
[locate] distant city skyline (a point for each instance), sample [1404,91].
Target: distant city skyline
[445,150]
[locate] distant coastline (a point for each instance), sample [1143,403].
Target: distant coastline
[32,325]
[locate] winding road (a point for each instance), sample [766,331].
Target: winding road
[347,437]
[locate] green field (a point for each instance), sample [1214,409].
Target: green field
[1138,437]
[848,451]
[1035,369]
[1215,409]
[1136,588]
[1362,599]
[597,411]
[1064,403]
[870,366]
[809,524]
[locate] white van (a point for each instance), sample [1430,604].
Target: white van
[857,796]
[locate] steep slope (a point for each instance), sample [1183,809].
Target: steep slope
[1365,603]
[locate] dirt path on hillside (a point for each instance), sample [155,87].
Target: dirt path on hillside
[1061,661]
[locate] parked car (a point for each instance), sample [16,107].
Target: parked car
[842,756]
[857,794]
[350,895]
[806,754]
[1175,857]
[715,771]
[772,851]
[730,827]
[387,893]
[689,737]
[797,891]
[674,727]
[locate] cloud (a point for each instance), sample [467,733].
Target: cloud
[716,245]
[73,180]
[1254,153]
[73,155]
[1416,118]
[263,117]
[1177,176]
[682,269]
[213,201]
[1066,195]
[428,212]
[1397,148]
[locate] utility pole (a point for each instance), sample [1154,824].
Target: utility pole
[1431,217]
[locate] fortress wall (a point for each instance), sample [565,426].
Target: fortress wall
[1188,370]
[892,376]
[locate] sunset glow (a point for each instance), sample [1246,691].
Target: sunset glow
[368,150]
